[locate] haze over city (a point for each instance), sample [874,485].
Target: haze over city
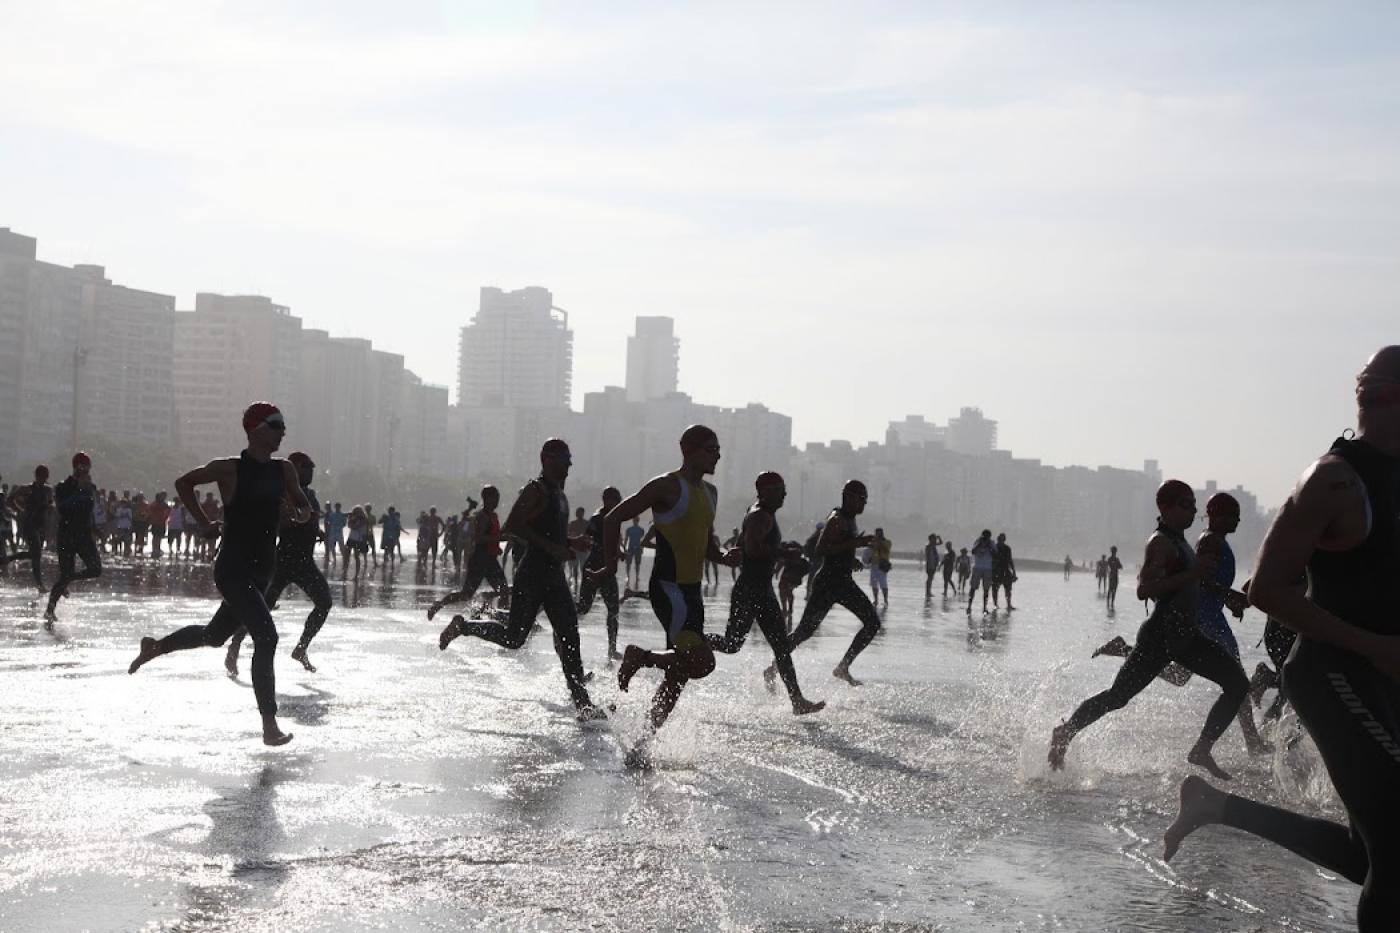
[1125,233]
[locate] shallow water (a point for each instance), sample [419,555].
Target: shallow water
[432,791]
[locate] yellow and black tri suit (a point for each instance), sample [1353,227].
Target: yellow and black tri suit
[682,542]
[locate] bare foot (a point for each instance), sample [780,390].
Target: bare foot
[842,672]
[433,610]
[1201,758]
[276,737]
[453,629]
[632,660]
[299,654]
[1116,647]
[591,713]
[802,706]
[148,652]
[770,678]
[614,654]
[1201,805]
[231,661]
[1059,747]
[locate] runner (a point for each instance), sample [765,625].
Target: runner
[1003,570]
[833,586]
[1340,525]
[483,561]
[635,534]
[880,549]
[760,546]
[32,503]
[540,518]
[296,563]
[1113,566]
[74,499]
[983,551]
[1171,574]
[607,587]
[683,515]
[252,486]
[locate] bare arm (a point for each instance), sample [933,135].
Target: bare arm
[660,491]
[223,472]
[1316,516]
[301,506]
[1153,581]
[828,542]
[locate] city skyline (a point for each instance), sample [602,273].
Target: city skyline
[1062,216]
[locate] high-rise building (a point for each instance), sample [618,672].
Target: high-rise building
[653,355]
[516,353]
[970,433]
[229,351]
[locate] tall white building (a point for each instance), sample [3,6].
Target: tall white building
[971,433]
[516,353]
[653,355]
[229,351]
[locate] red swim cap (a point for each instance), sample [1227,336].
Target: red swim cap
[1173,489]
[257,413]
[1222,503]
[768,478]
[300,459]
[81,459]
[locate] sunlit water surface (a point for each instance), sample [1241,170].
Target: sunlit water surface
[440,791]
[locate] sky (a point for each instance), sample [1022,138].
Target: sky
[1125,231]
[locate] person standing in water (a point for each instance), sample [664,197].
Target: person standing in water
[880,551]
[1113,566]
[931,564]
[1171,574]
[635,534]
[950,560]
[296,563]
[983,552]
[1003,570]
[1340,525]
[760,545]
[253,486]
[833,586]
[683,513]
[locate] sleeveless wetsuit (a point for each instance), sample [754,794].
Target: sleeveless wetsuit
[682,541]
[833,586]
[296,563]
[1351,709]
[1172,633]
[1212,604]
[242,571]
[753,600]
[540,584]
[587,589]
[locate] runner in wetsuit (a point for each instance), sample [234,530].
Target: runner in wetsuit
[31,504]
[760,544]
[588,588]
[296,563]
[683,513]
[1343,675]
[252,486]
[74,499]
[833,585]
[483,561]
[540,518]
[1171,574]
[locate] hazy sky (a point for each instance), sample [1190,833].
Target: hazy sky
[1123,230]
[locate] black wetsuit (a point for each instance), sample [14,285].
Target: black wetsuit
[37,500]
[296,563]
[242,571]
[833,586]
[753,600]
[482,563]
[1351,709]
[1002,575]
[540,584]
[587,589]
[949,559]
[1172,633]
[74,504]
